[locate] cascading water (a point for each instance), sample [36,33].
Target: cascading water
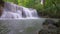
[27,12]
[22,11]
[30,13]
[33,12]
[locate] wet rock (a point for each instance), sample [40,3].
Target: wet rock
[49,21]
[49,27]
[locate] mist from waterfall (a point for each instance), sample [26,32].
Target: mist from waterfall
[22,11]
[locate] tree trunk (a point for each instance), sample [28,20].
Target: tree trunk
[42,2]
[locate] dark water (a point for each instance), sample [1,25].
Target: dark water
[23,26]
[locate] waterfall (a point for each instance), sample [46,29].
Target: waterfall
[22,11]
[33,12]
[29,12]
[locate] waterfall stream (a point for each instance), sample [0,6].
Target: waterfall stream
[22,11]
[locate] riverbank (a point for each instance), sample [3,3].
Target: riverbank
[45,15]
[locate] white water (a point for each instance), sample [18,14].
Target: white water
[22,11]
[27,14]
[30,13]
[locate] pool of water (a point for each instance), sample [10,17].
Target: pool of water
[23,26]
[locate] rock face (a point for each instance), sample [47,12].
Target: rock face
[49,27]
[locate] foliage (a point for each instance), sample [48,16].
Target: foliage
[50,8]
